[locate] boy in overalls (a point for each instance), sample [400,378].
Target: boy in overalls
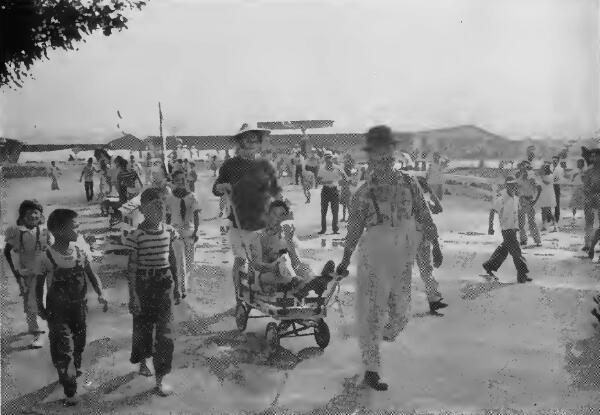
[152,276]
[25,244]
[64,267]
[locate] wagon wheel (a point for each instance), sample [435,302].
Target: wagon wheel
[272,336]
[241,316]
[322,333]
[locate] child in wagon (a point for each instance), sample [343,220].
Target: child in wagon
[274,257]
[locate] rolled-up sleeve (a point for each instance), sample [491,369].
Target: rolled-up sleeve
[356,219]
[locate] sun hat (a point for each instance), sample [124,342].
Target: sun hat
[380,136]
[251,127]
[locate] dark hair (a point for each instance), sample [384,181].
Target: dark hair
[177,173]
[193,164]
[547,169]
[185,160]
[28,205]
[59,218]
[90,160]
[279,203]
[179,161]
[150,194]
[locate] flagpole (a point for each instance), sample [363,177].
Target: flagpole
[162,139]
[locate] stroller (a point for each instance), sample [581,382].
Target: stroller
[296,316]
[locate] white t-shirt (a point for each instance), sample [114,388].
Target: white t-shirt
[508,210]
[331,177]
[559,175]
[173,204]
[62,261]
[32,247]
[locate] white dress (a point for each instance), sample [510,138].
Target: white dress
[547,196]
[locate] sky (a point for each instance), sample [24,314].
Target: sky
[518,68]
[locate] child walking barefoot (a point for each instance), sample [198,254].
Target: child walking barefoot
[64,267]
[152,277]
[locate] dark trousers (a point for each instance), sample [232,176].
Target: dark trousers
[557,208]
[156,314]
[298,173]
[66,322]
[330,196]
[510,245]
[89,191]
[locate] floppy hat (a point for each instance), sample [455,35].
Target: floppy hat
[380,136]
[251,127]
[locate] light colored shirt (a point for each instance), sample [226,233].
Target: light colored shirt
[173,205]
[527,187]
[28,245]
[558,175]
[407,201]
[331,178]
[63,261]
[508,210]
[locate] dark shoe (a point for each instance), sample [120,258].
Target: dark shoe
[322,232]
[585,248]
[436,305]
[523,280]
[372,380]
[488,270]
[145,371]
[78,373]
[336,232]
[523,243]
[329,268]
[591,253]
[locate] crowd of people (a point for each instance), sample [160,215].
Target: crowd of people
[390,225]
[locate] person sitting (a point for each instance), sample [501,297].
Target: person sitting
[274,257]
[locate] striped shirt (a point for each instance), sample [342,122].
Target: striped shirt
[127,178]
[151,246]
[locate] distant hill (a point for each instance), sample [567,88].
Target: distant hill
[460,142]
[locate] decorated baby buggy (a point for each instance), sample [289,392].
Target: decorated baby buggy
[297,312]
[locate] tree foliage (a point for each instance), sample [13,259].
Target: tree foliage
[28,28]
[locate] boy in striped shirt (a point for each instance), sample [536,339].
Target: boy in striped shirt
[152,275]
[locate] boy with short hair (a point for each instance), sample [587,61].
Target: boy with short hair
[507,207]
[152,273]
[64,268]
[184,215]
[25,244]
[88,173]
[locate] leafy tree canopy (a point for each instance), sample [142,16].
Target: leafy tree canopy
[28,28]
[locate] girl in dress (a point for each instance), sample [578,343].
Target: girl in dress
[54,173]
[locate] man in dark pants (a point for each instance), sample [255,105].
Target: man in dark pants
[557,172]
[299,167]
[330,177]
[507,206]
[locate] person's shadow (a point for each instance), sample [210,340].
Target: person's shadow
[7,341]
[472,290]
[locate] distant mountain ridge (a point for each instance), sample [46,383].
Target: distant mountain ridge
[459,142]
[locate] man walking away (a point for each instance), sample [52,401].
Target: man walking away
[558,173]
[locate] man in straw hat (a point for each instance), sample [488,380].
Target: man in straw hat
[382,222]
[507,207]
[248,140]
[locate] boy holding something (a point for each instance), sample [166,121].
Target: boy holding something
[64,268]
[152,273]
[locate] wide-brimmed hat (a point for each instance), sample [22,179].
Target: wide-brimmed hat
[251,127]
[328,154]
[510,180]
[380,136]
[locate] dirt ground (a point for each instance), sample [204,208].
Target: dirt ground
[499,348]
